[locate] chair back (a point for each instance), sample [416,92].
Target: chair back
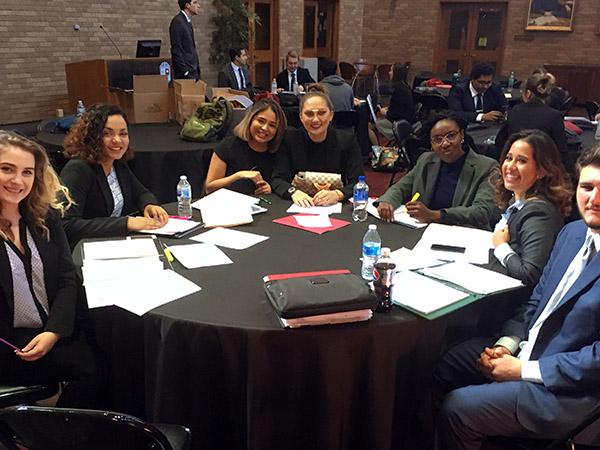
[17,395]
[345,119]
[347,71]
[431,104]
[401,129]
[592,109]
[383,72]
[76,429]
[567,105]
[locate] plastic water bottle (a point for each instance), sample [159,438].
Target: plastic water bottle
[184,198]
[511,80]
[360,199]
[456,76]
[383,275]
[274,86]
[165,69]
[80,108]
[371,246]
[295,87]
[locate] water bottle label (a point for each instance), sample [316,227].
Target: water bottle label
[371,250]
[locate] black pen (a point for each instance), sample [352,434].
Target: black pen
[262,199]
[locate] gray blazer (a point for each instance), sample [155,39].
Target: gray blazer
[473,202]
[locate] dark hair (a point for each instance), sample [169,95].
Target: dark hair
[555,185]
[233,52]
[327,67]
[242,129]
[540,85]
[428,126]
[182,4]
[481,68]
[315,90]
[84,140]
[400,73]
[590,157]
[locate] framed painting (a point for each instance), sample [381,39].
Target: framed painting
[550,15]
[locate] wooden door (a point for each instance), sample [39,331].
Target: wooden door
[470,33]
[320,32]
[264,43]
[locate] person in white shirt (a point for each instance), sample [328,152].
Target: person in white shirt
[235,74]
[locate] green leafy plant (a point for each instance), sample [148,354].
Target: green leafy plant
[232,28]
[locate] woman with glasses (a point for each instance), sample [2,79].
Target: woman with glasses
[452,181]
[316,147]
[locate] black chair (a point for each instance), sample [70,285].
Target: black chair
[347,71]
[403,131]
[592,109]
[431,105]
[345,119]
[76,429]
[567,105]
[18,395]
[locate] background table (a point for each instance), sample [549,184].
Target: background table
[220,362]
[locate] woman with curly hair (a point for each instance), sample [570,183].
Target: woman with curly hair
[38,285]
[535,192]
[104,190]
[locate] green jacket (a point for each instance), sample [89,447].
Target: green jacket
[473,202]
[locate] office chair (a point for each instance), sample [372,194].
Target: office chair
[347,71]
[567,105]
[345,119]
[592,109]
[76,429]
[403,132]
[431,105]
[18,395]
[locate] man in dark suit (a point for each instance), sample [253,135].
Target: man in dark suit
[541,377]
[292,73]
[479,99]
[183,46]
[235,75]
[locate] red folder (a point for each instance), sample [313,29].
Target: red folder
[291,222]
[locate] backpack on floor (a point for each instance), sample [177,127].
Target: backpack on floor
[210,122]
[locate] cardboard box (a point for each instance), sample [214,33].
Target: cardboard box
[189,94]
[149,100]
[239,99]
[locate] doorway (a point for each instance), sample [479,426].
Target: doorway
[470,33]
[264,43]
[320,33]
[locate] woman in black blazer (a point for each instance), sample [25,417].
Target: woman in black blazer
[316,147]
[535,192]
[535,114]
[38,285]
[105,192]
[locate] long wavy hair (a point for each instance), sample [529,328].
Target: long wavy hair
[84,140]
[555,185]
[46,192]
[242,129]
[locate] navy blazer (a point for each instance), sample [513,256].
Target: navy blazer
[59,278]
[568,344]
[227,77]
[90,216]
[302,77]
[461,101]
[183,48]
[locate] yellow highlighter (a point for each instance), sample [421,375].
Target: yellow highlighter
[168,253]
[415,197]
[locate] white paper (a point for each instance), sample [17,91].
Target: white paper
[331,209]
[421,293]
[313,221]
[193,256]
[173,226]
[475,279]
[475,242]
[406,259]
[108,269]
[225,237]
[224,197]
[226,215]
[400,215]
[120,248]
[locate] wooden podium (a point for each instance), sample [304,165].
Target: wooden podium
[90,80]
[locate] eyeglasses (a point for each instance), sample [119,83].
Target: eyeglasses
[311,113]
[451,137]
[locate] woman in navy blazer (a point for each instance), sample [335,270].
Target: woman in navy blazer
[105,192]
[535,192]
[38,285]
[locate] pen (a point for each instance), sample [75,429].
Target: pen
[415,197]
[179,217]
[262,199]
[15,348]
[168,253]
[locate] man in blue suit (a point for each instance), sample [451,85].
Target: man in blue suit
[540,379]
[479,99]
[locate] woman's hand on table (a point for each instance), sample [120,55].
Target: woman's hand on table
[39,346]
[143,223]
[157,213]
[262,187]
[302,199]
[326,198]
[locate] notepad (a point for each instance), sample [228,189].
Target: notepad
[475,279]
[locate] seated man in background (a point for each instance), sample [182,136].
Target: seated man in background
[235,75]
[541,378]
[293,73]
[479,99]
[452,182]
[338,90]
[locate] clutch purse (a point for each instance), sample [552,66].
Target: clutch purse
[313,182]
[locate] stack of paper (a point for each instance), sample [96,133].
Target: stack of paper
[128,273]
[319,210]
[193,256]
[400,215]
[174,227]
[225,208]
[406,259]
[225,237]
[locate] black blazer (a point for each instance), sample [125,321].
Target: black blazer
[302,77]
[90,216]
[183,49]
[228,79]
[534,115]
[461,101]
[340,153]
[59,278]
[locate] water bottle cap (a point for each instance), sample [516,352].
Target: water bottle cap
[183,177]
[372,227]
[361,178]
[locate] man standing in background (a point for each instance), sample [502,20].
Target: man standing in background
[183,46]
